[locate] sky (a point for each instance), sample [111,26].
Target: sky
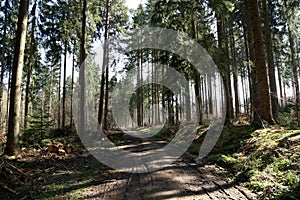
[133,4]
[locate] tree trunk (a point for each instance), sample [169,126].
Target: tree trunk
[235,75]
[224,67]
[59,99]
[30,64]
[157,99]
[263,105]
[104,67]
[72,86]
[170,106]
[8,97]
[64,87]
[3,64]
[12,144]
[248,41]
[198,97]
[107,67]
[282,100]
[294,65]
[139,91]
[188,116]
[196,76]
[50,95]
[82,70]
[270,58]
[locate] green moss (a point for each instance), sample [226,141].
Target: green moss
[263,160]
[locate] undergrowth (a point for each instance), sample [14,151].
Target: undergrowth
[266,161]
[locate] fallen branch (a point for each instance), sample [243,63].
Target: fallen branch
[17,169]
[9,189]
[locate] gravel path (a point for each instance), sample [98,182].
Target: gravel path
[184,179]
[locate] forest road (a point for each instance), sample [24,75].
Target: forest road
[183,179]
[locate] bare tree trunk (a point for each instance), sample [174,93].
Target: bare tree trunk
[72,86]
[163,100]
[104,67]
[188,116]
[8,96]
[50,95]
[248,41]
[3,63]
[32,61]
[224,67]
[170,108]
[138,95]
[82,70]
[244,94]
[282,100]
[142,89]
[64,87]
[197,75]
[153,122]
[205,95]
[262,105]
[270,58]
[198,97]
[139,91]
[235,75]
[12,144]
[107,66]
[59,99]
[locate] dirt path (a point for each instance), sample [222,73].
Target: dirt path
[183,179]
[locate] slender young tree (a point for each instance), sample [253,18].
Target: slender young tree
[12,144]
[64,85]
[72,85]
[59,97]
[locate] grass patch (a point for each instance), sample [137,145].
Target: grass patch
[266,161]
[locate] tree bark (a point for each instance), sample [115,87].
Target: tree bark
[282,100]
[82,70]
[72,86]
[270,58]
[59,99]
[101,111]
[64,87]
[198,97]
[12,144]
[248,41]
[188,115]
[196,76]
[224,67]
[107,66]
[235,75]
[262,105]
[3,64]
[30,64]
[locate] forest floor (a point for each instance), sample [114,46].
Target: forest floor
[266,161]
[81,176]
